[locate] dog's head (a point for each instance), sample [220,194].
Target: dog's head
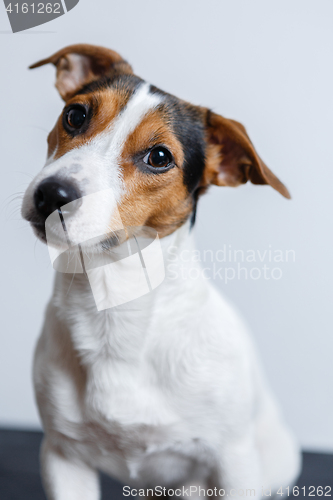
[155,152]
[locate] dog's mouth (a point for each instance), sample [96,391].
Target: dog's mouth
[104,244]
[51,237]
[69,245]
[38,226]
[39,231]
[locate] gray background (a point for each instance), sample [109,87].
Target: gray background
[266,64]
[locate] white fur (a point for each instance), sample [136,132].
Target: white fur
[169,394]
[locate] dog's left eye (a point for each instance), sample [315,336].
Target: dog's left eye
[75,117]
[158,158]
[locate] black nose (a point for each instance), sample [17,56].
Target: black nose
[52,194]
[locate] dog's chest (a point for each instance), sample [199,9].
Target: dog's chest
[129,428]
[129,412]
[126,393]
[130,357]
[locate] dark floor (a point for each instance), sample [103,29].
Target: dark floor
[20,480]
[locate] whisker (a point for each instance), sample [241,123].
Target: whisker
[7,203]
[31,176]
[36,127]
[14,196]
[15,214]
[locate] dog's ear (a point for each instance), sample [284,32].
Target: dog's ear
[80,64]
[231,157]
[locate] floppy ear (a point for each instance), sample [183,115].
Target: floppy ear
[231,157]
[80,64]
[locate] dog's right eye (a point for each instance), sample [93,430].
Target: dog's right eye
[74,118]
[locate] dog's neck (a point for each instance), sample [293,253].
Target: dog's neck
[121,332]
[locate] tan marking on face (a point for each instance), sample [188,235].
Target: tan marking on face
[157,200]
[106,106]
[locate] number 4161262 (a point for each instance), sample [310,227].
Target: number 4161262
[40,8]
[319,491]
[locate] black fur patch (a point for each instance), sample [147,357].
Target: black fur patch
[125,84]
[186,122]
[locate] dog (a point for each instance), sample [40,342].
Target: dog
[169,393]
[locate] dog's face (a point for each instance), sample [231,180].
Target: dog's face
[156,153]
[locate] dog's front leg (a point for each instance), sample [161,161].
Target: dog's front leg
[67,479]
[239,471]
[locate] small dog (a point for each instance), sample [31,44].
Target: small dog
[171,393]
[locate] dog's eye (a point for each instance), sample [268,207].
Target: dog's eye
[158,157]
[75,117]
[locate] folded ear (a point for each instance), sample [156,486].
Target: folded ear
[80,64]
[231,157]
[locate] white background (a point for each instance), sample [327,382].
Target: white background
[266,64]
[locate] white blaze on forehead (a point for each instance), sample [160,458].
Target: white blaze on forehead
[136,109]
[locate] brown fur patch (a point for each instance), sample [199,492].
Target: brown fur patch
[213,160]
[157,201]
[161,200]
[106,105]
[239,161]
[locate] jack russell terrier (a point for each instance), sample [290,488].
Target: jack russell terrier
[168,392]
